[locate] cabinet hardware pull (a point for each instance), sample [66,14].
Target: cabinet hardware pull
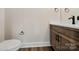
[57,38]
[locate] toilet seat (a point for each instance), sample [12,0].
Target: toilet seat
[10,45]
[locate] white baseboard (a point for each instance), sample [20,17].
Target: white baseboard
[35,44]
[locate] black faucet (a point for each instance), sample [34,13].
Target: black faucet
[73,19]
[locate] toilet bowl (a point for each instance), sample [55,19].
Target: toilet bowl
[10,45]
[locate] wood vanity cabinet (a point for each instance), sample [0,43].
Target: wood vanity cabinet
[64,38]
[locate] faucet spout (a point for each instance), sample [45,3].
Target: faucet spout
[73,19]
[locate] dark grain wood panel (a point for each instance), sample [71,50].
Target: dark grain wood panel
[64,38]
[69,32]
[37,49]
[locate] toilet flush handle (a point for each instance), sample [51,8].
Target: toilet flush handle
[21,33]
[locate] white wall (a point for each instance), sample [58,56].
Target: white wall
[55,15]
[2,22]
[34,23]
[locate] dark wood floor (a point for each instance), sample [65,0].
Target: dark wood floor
[37,49]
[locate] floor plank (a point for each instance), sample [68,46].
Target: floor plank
[36,49]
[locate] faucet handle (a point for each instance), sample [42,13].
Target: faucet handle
[72,17]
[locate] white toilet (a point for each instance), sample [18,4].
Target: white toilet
[10,45]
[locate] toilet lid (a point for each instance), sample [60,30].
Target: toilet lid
[9,44]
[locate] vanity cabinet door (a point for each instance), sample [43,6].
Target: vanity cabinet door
[55,41]
[69,46]
[66,45]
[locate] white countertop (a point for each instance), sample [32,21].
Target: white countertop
[66,24]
